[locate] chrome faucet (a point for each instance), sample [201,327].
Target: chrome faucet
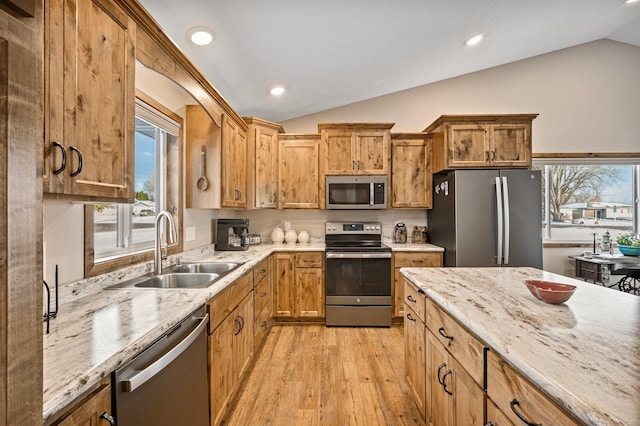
[158,257]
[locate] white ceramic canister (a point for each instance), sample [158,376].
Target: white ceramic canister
[277,235]
[291,237]
[303,237]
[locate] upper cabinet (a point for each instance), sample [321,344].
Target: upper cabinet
[234,164]
[472,141]
[411,170]
[262,163]
[298,171]
[355,148]
[89,100]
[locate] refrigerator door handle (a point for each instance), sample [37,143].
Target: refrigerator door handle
[505,191]
[500,223]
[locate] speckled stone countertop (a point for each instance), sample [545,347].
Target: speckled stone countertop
[584,354]
[98,329]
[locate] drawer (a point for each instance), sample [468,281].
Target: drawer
[226,301]
[505,387]
[460,343]
[261,325]
[309,260]
[414,299]
[261,270]
[262,295]
[402,259]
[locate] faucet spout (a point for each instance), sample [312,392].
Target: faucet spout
[157,258]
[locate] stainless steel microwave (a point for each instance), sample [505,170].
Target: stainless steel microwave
[356,192]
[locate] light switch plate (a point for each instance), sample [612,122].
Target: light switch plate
[191,233]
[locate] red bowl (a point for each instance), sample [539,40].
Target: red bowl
[550,292]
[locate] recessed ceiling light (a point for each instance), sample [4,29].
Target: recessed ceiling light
[631,1]
[277,91]
[474,40]
[201,36]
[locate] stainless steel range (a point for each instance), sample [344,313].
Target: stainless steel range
[357,275]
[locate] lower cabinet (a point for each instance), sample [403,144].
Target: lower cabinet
[262,300]
[94,410]
[299,285]
[231,343]
[415,356]
[415,259]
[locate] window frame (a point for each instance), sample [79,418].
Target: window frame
[93,267]
[616,158]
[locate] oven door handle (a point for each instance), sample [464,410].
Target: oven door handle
[358,255]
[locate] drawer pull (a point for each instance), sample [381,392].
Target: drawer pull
[263,324]
[444,383]
[446,336]
[411,318]
[263,294]
[106,416]
[262,271]
[411,299]
[514,407]
[417,261]
[443,365]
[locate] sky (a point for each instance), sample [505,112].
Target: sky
[622,190]
[145,159]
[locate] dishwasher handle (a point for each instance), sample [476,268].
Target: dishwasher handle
[140,377]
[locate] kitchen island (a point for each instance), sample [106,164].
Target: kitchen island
[584,355]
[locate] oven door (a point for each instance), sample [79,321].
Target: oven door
[358,278]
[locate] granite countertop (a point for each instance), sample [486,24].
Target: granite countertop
[98,329]
[584,354]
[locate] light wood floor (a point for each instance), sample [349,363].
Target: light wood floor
[314,375]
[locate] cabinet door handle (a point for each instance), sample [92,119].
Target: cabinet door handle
[443,365]
[354,167]
[444,383]
[515,404]
[487,155]
[411,299]
[263,324]
[79,168]
[493,155]
[106,416]
[64,158]
[446,336]
[237,328]
[360,165]
[411,318]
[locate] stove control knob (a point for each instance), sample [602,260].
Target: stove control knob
[377,227]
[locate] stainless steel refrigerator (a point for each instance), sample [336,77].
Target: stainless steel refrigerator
[488,217]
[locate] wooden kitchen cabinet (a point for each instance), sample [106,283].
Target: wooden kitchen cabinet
[234,164]
[89,100]
[262,299]
[299,285]
[409,259]
[262,163]
[93,410]
[515,397]
[298,172]
[473,141]
[411,170]
[355,148]
[415,348]
[231,342]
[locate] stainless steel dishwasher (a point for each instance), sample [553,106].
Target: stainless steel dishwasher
[166,384]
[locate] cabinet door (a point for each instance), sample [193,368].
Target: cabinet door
[243,337]
[298,174]
[94,76]
[439,405]
[89,412]
[221,366]
[468,145]
[415,357]
[266,168]
[283,286]
[511,145]
[338,153]
[495,417]
[372,152]
[467,398]
[398,294]
[233,164]
[411,173]
[310,292]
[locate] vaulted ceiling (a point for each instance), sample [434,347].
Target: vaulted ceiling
[335,52]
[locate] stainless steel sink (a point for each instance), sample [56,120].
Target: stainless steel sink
[183,281]
[219,268]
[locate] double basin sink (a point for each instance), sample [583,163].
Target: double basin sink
[185,276]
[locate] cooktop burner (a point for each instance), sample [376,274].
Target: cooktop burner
[354,236]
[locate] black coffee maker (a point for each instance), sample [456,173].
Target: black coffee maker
[231,234]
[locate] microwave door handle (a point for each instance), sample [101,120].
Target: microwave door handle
[371,193]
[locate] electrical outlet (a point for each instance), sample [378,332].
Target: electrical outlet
[191,233]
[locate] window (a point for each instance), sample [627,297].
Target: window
[584,197]
[121,230]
